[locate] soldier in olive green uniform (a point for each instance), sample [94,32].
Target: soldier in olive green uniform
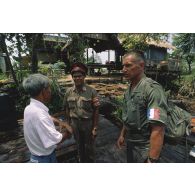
[82,111]
[144,112]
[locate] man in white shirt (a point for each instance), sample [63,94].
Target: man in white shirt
[40,133]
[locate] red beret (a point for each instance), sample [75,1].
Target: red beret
[78,67]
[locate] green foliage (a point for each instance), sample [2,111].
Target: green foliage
[58,47]
[54,106]
[185,43]
[57,98]
[183,67]
[3,76]
[18,44]
[189,58]
[54,71]
[45,69]
[59,65]
[22,101]
[21,74]
[172,86]
[138,41]
[77,48]
[118,101]
[188,77]
[56,91]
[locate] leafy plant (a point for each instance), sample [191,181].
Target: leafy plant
[54,106]
[21,74]
[45,69]
[22,101]
[185,43]
[139,41]
[3,76]
[59,65]
[57,98]
[118,101]
[77,48]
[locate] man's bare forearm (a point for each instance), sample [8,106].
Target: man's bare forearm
[123,131]
[156,141]
[62,124]
[95,117]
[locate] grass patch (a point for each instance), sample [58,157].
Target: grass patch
[189,77]
[3,76]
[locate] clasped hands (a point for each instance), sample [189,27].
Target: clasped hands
[65,126]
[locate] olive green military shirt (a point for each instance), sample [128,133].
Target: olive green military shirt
[145,104]
[80,103]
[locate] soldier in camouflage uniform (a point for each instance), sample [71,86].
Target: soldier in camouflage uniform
[82,111]
[144,112]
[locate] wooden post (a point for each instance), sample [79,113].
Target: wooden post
[108,55]
[93,56]
[87,55]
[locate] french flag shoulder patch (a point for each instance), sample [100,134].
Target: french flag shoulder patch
[153,113]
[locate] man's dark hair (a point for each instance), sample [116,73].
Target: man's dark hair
[139,55]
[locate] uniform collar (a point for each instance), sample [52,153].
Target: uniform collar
[83,88]
[142,78]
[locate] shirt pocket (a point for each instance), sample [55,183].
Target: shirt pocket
[129,111]
[139,101]
[71,102]
[86,104]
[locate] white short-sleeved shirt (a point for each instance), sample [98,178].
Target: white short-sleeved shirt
[40,133]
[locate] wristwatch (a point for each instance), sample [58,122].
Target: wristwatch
[153,160]
[94,130]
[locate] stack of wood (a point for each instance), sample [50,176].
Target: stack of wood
[112,90]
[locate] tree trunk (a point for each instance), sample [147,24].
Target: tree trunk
[7,59]
[19,56]
[189,68]
[28,38]
[37,43]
